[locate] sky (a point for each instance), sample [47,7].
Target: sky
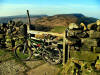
[90,8]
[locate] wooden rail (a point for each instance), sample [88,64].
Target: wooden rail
[41,32]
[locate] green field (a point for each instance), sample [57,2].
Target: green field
[58,29]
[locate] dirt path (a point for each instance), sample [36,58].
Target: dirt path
[10,66]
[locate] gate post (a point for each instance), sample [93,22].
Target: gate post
[64,47]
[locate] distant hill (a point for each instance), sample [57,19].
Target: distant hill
[19,17]
[56,20]
[76,15]
[64,20]
[56,23]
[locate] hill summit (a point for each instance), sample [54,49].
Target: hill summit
[64,20]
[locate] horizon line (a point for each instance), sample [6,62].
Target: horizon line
[47,15]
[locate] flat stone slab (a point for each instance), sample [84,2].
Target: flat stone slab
[45,69]
[34,64]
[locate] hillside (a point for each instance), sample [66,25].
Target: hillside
[64,20]
[56,20]
[56,23]
[19,17]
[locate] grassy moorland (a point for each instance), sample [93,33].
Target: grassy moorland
[58,29]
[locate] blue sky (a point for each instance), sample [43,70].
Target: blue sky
[89,8]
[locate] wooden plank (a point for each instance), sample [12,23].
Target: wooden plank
[41,32]
[29,21]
